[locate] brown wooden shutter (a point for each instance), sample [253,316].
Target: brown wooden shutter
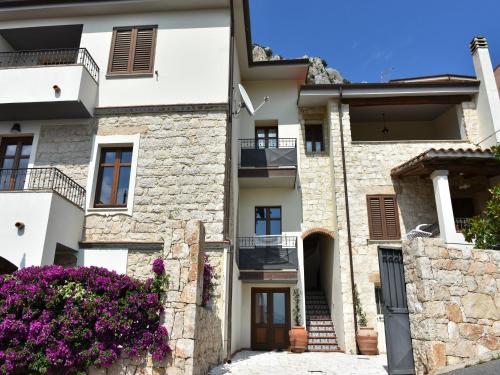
[144,49]
[383,217]
[132,50]
[120,51]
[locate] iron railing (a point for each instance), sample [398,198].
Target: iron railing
[263,143]
[42,179]
[267,241]
[50,57]
[461,223]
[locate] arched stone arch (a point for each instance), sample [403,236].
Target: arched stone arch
[318,230]
[6,267]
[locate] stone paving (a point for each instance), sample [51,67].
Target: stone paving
[310,363]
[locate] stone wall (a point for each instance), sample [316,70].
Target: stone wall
[454,302]
[195,331]
[368,166]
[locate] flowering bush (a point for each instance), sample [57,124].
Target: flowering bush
[56,320]
[208,284]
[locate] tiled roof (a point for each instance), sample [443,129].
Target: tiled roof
[450,154]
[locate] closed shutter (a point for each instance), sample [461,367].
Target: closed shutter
[383,217]
[143,54]
[132,50]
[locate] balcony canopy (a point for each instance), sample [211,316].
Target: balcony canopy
[471,162]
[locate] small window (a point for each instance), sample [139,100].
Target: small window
[132,50]
[266,137]
[267,221]
[314,138]
[379,300]
[383,217]
[114,177]
[14,158]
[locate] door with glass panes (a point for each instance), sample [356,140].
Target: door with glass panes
[14,159]
[270,318]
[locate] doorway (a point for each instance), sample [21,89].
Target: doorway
[270,318]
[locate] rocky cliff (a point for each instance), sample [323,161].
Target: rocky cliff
[319,72]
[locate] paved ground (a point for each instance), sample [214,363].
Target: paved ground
[489,368]
[284,363]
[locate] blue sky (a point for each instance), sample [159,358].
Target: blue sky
[362,38]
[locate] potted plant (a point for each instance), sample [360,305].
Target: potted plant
[298,333]
[366,337]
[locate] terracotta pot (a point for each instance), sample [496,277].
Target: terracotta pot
[367,339]
[298,339]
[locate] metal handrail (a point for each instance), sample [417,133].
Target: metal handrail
[50,57]
[42,179]
[255,143]
[267,241]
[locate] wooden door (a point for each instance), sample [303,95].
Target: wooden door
[270,318]
[14,158]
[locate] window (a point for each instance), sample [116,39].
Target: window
[379,300]
[383,217]
[114,177]
[266,137]
[267,221]
[132,50]
[314,138]
[14,159]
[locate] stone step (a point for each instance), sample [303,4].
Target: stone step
[322,341]
[323,348]
[319,322]
[322,334]
[320,328]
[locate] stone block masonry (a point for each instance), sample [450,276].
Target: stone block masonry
[454,303]
[195,331]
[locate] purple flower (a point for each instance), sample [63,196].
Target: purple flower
[158,267]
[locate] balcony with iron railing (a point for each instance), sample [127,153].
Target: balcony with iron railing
[270,158]
[48,83]
[267,253]
[42,209]
[42,180]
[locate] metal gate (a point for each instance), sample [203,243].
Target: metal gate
[397,323]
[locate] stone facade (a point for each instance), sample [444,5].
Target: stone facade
[454,303]
[368,166]
[195,331]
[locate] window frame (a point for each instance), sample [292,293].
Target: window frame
[19,141]
[322,136]
[266,138]
[268,220]
[110,141]
[116,165]
[385,236]
[133,43]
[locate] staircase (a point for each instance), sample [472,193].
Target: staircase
[320,328]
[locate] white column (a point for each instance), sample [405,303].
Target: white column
[443,206]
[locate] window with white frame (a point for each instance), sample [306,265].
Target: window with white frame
[112,173]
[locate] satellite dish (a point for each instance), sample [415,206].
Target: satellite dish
[247,103]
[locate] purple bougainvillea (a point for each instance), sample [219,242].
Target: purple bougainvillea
[158,267]
[56,320]
[208,284]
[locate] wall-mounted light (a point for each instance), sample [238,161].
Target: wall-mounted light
[57,90]
[19,225]
[16,128]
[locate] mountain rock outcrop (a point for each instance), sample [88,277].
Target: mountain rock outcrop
[319,72]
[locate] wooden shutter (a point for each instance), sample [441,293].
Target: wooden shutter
[383,219]
[132,50]
[120,51]
[144,50]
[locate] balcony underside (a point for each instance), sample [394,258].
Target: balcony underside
[285,276]
[267,177]
[43,111]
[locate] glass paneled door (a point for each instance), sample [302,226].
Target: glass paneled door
[266,137]
[14,158]
[270,318]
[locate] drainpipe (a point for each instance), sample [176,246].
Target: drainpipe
[349,239]
[228,191]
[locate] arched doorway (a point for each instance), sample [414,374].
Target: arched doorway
[318,259]
[6,267]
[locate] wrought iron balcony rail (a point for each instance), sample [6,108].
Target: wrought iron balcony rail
[461,223]
[42,179]
[50,57]
[263,143]
[267,241]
